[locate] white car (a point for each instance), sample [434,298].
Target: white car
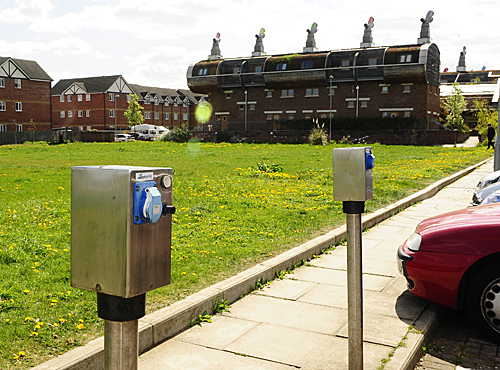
[124,137]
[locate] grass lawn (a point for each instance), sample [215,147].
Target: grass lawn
[237,204]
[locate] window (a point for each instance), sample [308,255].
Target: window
[202,71]
[157,101]
[269,117]
[258,68]
[350,104]
[241,106]
[322,115]
[312,92]
[405,58]
[364,104]
[62,114]
[287,93]
[185,116]
[384,114]
[80,97]
[87,113]
[87,97]
[281,67]
[17,84]
[19,128]
[176,116]
[306,64]
[61,99]
[167,116]
[228,95]
[291,116]
[2,82]
[236,70]
[307,115]
[147,100]
[3,128]
[185,103]
[157,116]
[129,98]
[269,94]
[19,106]
[345,63]
[111,97]
[372,61]
[70,114]
[407,114]
[385,90]
[394,115]
[111,113]
[2,106]
[147,115]
[406,88]
[251,107]
[332,90]
[80,113]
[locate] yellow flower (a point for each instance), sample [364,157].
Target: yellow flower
[79,326]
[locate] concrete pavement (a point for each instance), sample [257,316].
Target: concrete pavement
[300,322]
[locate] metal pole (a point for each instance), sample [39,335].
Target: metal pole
[331,78]
[246,108]
[121,345]
[355,291]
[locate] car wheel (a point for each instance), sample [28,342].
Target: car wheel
[483,302]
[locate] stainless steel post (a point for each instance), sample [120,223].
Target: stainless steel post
[355,291]
[121,348]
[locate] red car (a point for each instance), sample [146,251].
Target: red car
[454,260]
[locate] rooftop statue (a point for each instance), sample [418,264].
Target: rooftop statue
[367,35]
[259,46]
[311,42]
[215,52]
[425,34]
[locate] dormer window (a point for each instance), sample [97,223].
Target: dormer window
[306,64]
[405,58]
[345,63]
[202,72]
[281,67]
[147,100]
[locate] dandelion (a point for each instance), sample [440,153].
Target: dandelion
[79,326]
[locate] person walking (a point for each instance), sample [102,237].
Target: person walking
[491,136]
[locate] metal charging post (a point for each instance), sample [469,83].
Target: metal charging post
[353,184]
[121,220]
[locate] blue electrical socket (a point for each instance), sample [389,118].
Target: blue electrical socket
[140,194]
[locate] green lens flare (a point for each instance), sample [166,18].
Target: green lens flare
[203,112]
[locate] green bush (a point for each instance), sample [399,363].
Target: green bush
[178,135]
[318,136]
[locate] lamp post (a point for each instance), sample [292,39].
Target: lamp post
[246,108]
[331,80]
[116,97]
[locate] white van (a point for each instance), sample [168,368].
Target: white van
[150,132]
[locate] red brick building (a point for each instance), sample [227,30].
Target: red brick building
[100,102]
[167,107]
[365,82]
[24,96]
[91,103]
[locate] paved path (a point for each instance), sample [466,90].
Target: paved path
[301,321]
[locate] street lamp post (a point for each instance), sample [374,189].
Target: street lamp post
[331,80]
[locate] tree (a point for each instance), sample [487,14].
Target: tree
[484,115]
[455,104]
[133,114]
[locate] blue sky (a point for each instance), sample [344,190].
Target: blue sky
[153,42]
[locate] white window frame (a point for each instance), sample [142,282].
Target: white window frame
[68,98]
[61,99]
[80,97]
[62,114]
[19,127]
[87,113]
[111,113]
[111,97]
[185,116]
[87,97]
[3,127]
[70,114]
[3,106]
[167,116]
[80,113]
[19,106]
[2,82]
[17,83]
[176,116]
[157,115]
[147,115]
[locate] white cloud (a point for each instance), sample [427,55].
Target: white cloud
[26,11]
[62,46]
